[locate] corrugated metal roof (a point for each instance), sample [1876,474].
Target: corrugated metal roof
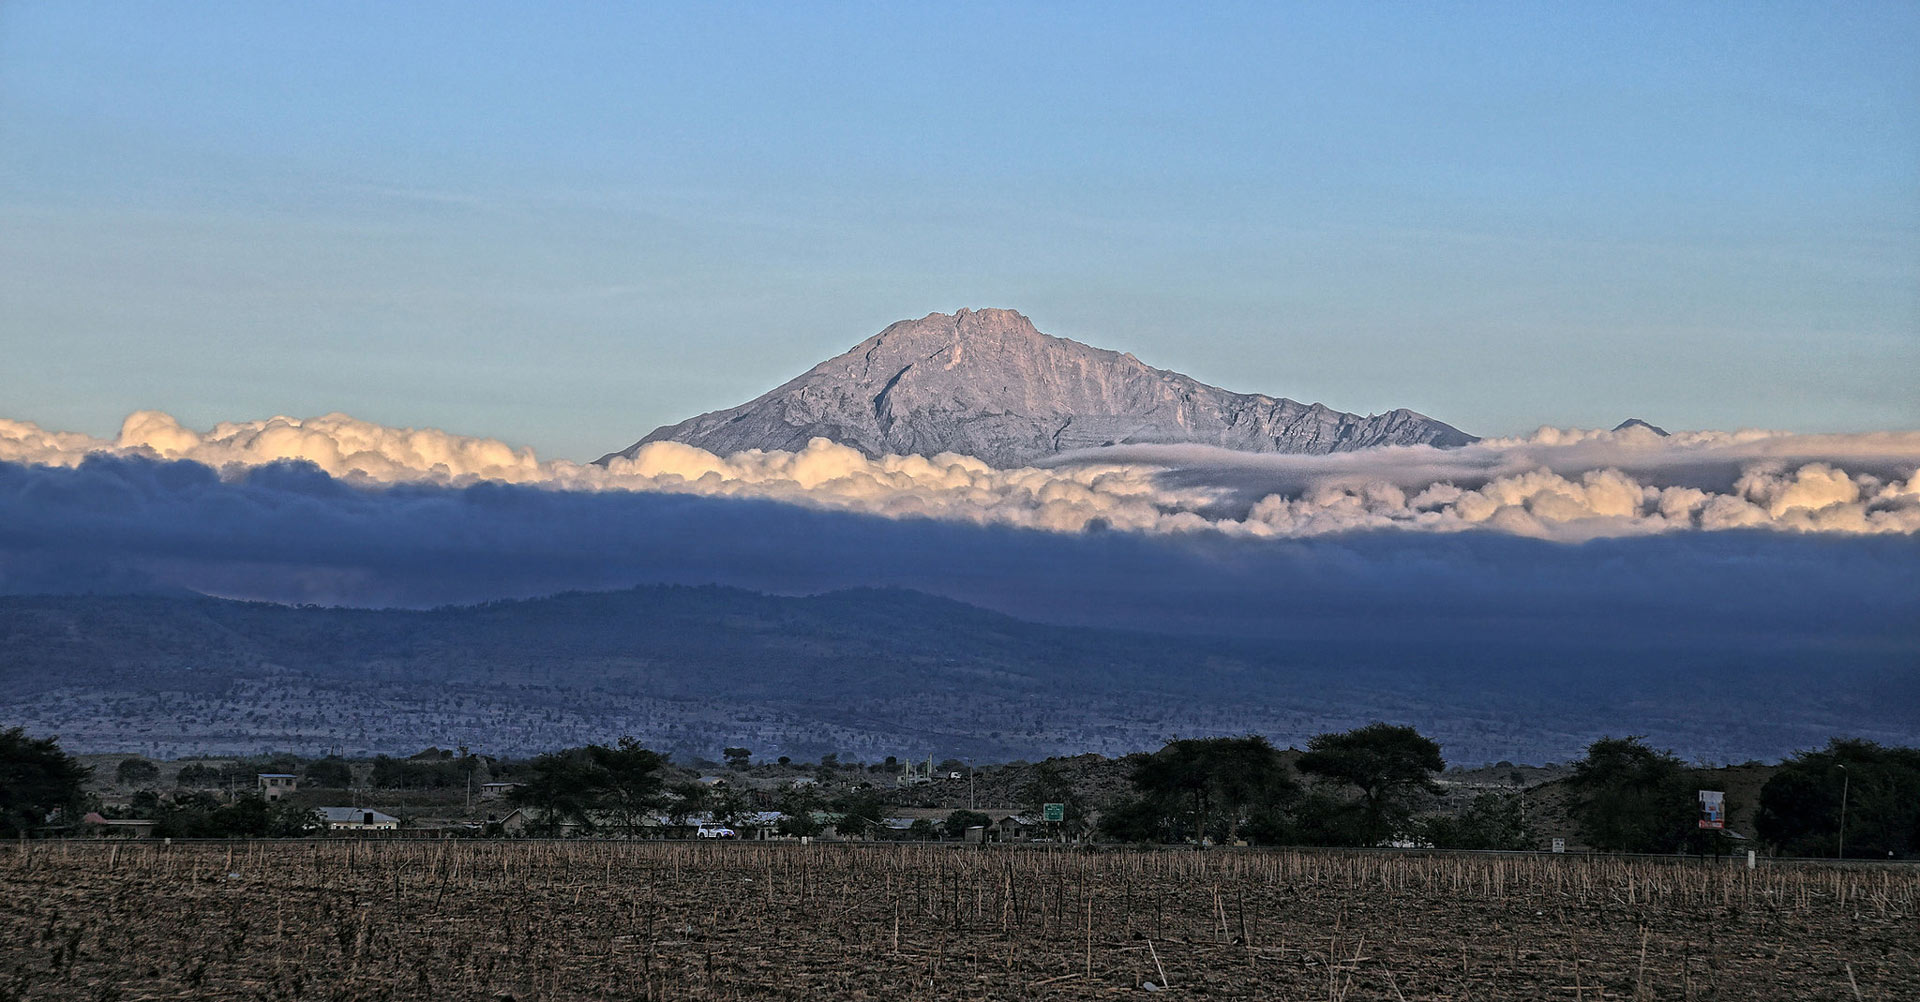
[355,814]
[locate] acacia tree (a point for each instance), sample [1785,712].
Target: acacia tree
[1219,788]
[37,780]
[1390,766]
[559,788]
[1632,798]
[621,786]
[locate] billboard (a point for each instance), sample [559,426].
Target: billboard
[1713,809]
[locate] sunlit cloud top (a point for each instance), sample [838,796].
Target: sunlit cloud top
[1562,484]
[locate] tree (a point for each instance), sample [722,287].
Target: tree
[1195,788]
[958,822]
[559,788]
[1492,821]
[1390,766]
[797,809]
[728,804]
[331,772]
[37,780]
[135,772]
[1631,798]
[202,815]
[629,785]
[1800,805]
[1047,785]
[685,799]
[737,758]
[197,775]
[860,812]
[428,770]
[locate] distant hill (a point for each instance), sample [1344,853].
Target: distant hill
[987,384]
[866,674]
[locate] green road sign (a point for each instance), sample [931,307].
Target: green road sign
[1053,812]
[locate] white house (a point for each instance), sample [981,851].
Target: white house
[274,785]
[356,819]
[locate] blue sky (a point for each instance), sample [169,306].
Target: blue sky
[563,226]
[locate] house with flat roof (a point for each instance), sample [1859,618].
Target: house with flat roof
[274,785]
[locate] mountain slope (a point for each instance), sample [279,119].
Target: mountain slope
[870,673]
[987,384]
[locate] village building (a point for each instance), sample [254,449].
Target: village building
[95,824]
[524,822]
[356,819]
[274,785]
[494,791]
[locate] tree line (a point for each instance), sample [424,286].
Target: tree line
[1369,786]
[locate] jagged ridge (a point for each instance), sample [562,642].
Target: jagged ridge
[985,383]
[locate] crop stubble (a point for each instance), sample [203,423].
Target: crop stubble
[625,920]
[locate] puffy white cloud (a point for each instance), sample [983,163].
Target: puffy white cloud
[1564,484]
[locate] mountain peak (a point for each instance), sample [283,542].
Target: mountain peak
[1634,422]
[988,384]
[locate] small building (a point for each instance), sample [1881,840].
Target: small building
[1016,828]
[523,822]
[95,824]
[274,785]
[758,826]
[356,819]
[494,791]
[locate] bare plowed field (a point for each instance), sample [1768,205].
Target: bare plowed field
[424,920]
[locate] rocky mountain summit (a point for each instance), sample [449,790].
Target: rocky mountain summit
[1634,422]
[985,383]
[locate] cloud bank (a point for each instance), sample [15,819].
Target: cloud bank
[1563,485]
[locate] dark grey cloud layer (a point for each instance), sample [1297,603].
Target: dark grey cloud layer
[288,532]
[1665,633]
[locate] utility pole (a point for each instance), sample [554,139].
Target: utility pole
[1846,779]
[971,805]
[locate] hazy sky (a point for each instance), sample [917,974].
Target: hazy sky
[565,226]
